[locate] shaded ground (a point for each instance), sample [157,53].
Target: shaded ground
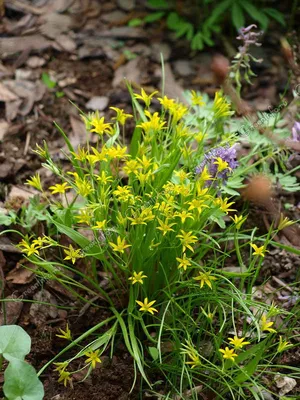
[86,49]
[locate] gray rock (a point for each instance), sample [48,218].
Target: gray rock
[183,68]
[113,16]
[97,103]
[158,48]
[126,5]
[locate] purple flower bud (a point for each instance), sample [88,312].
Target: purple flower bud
[227,154]
[296,132]
[248,37]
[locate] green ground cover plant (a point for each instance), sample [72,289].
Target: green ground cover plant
[199,21]
[20,379]
[153,217]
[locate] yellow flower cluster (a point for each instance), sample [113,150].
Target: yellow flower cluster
[237,343]
[34,247]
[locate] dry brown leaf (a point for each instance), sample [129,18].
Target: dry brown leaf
[21,275]
[79,131]
[17,44]
[13,310]
[4,126]
[130,71]
[172,88]
[6,94]
[39,313]
[29,93]
[54,24]
[25,7]
[21,192]
[65,43]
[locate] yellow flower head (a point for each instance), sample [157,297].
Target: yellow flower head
[283,345]
[165,227]
[81,154]
[147,306]
[137,277]
[104,178]
[84,216]
[35,181]
[166,102]
[93,358]
[73,254]
[238,343]
[123,193]
[64,377]
[61,366]
[205,175]
[145,216]
[65,334]
[266,325]
[120,246]
[42,152]
[184,262]
[220,107]
[258,251]
[178,110]
[205,278]
[59,188]
[154,123]
[182,175]
[209,315]
[98,124]
[98,156]
[197,204]
[284,222]
[83,187]
[224,205]
[131,167]
[192,353]
[145,97]
[117,152]
[238,221]
[228,354]
[100,225]
[196,99]
[41,241]
[183,215]
[186,239]
[28,249]
[121,117]
[222,165]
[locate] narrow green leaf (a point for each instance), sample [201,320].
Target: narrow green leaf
[237,16]
[219,10]
[255,14]
[154,16]
[90,248]
[48,81]
[275,14]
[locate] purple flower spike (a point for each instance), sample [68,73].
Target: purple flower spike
[227,154]
[296,131]
[248,37]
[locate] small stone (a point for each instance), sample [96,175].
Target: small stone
[126,5]
[161,48]
[3,128]
[114,16]
[35,62]
[285,384]
[183,68]
[97,103]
